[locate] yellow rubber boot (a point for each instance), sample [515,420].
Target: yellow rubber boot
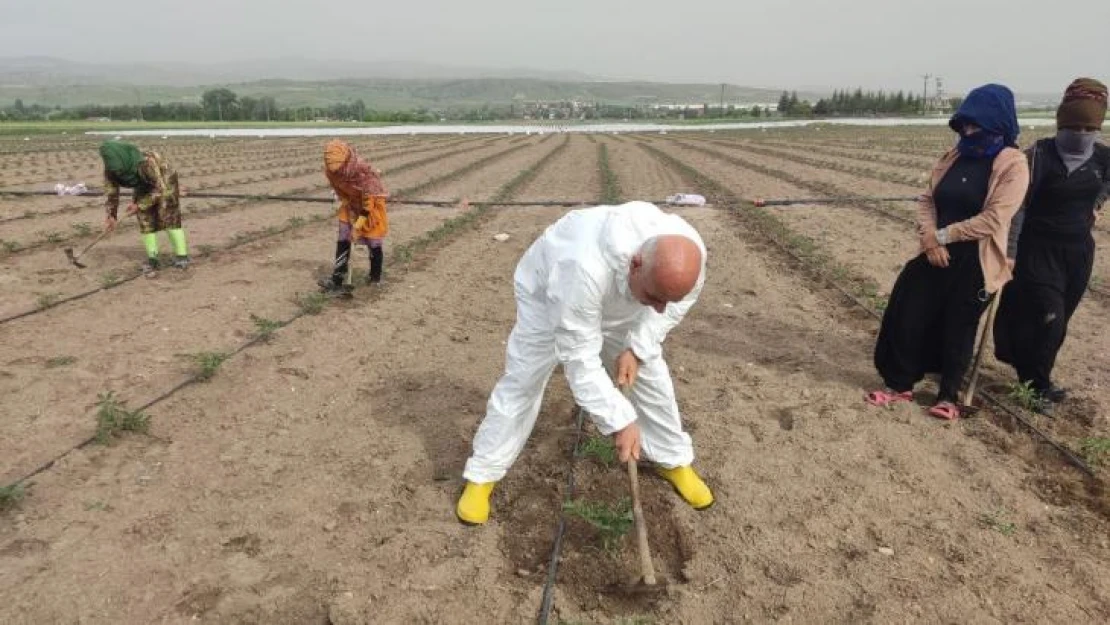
[473,507]
[689,486]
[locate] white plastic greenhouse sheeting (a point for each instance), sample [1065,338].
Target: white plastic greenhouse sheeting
[435,129]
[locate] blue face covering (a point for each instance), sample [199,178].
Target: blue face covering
[1076,141]
[1075,147]
[981,144]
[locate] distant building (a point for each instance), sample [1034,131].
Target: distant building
[553,109]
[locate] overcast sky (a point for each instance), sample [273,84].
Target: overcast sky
[773,43]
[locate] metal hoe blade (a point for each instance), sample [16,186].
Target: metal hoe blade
[72,258]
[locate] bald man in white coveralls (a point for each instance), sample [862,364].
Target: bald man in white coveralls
[602,285]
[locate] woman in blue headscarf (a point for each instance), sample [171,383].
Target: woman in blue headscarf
[964,217]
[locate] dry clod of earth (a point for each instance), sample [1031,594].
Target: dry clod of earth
[346,609]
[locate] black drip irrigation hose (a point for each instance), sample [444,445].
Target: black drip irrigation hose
[88,441]
[97,193]
[863,202]
[833,200]
[161,397]
[138,274]
[328,200]
[1067,453]
[557,546]
[855,202]
[71,298]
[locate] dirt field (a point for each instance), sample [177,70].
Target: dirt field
[309,475]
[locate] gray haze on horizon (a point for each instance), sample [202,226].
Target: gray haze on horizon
[794,44]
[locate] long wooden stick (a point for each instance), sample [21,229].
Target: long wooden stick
[969,395]
[646,567]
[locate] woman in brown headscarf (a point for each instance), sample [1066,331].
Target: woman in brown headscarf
[1055,251]
[362,215]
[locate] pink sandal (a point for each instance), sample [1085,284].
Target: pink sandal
[886,397]
[945,410]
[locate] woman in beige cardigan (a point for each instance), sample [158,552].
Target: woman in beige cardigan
[964,220]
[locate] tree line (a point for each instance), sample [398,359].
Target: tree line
[858,103]
[225,105]
[214,105]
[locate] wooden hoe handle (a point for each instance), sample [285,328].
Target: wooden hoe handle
[641,528]
[638,513]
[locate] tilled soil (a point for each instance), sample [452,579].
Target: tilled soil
[312,478]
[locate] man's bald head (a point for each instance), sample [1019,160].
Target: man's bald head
[665,269]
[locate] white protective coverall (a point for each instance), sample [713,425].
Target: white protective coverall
[574,308]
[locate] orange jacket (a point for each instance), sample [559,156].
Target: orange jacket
[353,203]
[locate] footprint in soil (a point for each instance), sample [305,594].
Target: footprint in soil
[23,547]
[199,600]
[249,544]
[1080,410]
[176,275]
[785,419]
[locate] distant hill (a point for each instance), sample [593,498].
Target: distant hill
[383,86]
[48,71]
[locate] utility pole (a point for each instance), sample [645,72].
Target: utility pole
[722,99]
[925,93]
